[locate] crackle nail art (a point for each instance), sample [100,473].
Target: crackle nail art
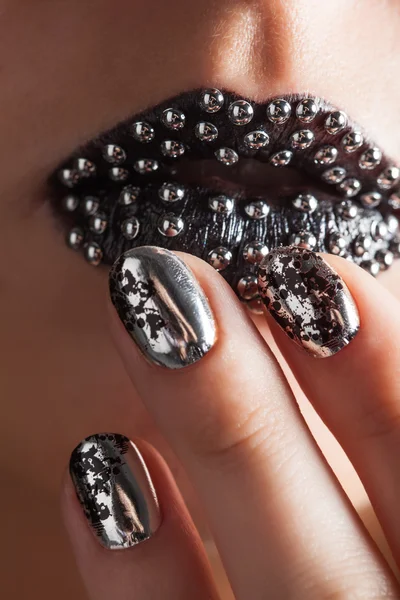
[309,300]
[115,490]
[162,307]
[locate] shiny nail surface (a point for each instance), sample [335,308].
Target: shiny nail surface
[162,306]
[115,490]
[309,300]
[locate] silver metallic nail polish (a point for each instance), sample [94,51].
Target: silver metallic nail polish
[308,300]
[115,490]
[162,306]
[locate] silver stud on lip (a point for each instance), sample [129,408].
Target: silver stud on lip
[394,247]
[370,159]
[221,204]
[129,194]
[256,139]
[394,201]
[98,223]
[389,177]
[93,253]
[385,258]
[371,199]
[75,238]
[325,155]
[240,112]
[90,205]
[212,100]
[334,175]
[306,203]
[303,239]
[258,209]
[379,230]
[352,141]
[350,187]
[173,118]
[279,111]
[70,203]
[347,209]
[85,167]
[393,224]
[281,158]
[254,252]
[300,140]
[143,166]
[220,258]
[130,228]
[170,225]
[69,177]
[206,132]
[172,148]
[114,154]
[247,287]
[171,192]
[226,156]
[142,132]
[307,110]
[337,244]
[335,122]
[362,244]
[118,174]
[371,266]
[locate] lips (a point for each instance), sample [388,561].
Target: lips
[227,179]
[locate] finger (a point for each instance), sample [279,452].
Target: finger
[141,554]
[281,523]
[357,390]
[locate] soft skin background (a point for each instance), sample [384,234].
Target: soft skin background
[69,69]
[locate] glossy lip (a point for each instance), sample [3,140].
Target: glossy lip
[269,215]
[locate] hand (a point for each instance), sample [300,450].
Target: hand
[282,523]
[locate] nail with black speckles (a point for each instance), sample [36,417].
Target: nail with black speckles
[115,490]
[162,306]
[309,300]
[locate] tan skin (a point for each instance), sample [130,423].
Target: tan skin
[70,70]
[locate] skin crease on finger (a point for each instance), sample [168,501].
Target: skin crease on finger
[68,71]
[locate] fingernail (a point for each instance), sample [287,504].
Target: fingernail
[115,490]
[162,307]
[309,300]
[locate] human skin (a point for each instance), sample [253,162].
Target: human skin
[69,71]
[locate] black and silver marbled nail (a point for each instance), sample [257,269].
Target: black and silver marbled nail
[162,306]
[115,490]
[309,300]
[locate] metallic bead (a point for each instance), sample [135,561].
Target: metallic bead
[142,132]
[336,121]
[307,110]
[337,244]
[394,201]
[171,192]
[90,205]
[130,228]
[211,100]
[370,159]
[334,175]
[258,209]
[98,223]
[371,199]
[206,132]
[85,167]
[347,209]
[392,223]
[394,247]
[227,156]
[220,258]
[371,266]
[256,139]
[118,174]
[379,230]
[143,166]
[352,141]
[221,204]
[254,252]
[385,258]
[93,253]
[240,112]
[326,155]
[129,194]
[255,306]
[173,118]
[70,203]
[247,287]
[362,244]
[114,154]
[304,239]
[170,225]
[350,187]
[389,177]
[306,203]
[69,177]
[300,140]
[172,148]
[75,238]
[281,158]
[278,111]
